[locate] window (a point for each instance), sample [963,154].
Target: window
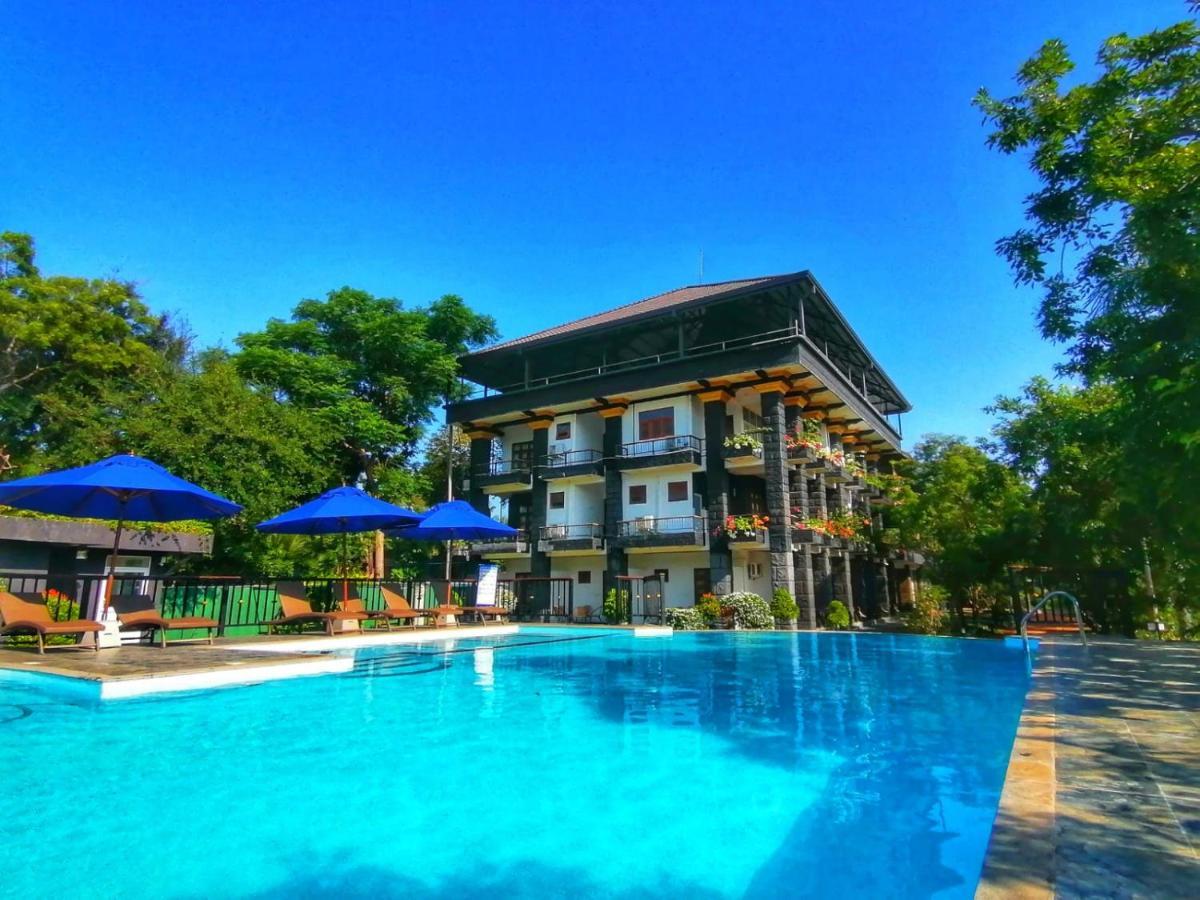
[637,494]
[656,423]
[558,499]
[676,491]
[663,575]
[584,576]
[562,431]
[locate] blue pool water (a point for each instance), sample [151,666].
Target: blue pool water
[547,764]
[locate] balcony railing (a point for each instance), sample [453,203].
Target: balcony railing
[587,536]
[521,466]
[680,449]
[518,543]
[661,531]
[571,458]
[572,464]
[655,446]
[506,473]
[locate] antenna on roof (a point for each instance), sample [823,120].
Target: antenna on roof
[701,267]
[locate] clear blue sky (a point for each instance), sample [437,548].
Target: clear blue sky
[544,160]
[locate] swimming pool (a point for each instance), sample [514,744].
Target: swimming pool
[555,762]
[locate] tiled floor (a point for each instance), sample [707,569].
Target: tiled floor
[1103,793]
[138,661]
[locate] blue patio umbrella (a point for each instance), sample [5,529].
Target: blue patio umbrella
[123,487]
[340,511]
[454,520]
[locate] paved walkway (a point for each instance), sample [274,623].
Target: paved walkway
[1102,797]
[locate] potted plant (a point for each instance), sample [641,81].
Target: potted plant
[805,443]
[708,607]
[741,528]
[784,609]
[837,616]
[743,444]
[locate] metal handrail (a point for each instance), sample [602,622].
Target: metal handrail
[1046,599]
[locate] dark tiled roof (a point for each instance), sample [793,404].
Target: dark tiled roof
[677,297]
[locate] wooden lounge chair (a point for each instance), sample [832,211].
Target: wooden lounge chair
[485,612]
[397,608]
[23,616]
[136,611]
[588,613]
[293,601]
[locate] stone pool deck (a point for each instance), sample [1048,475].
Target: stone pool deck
[1102,797]
[139,669]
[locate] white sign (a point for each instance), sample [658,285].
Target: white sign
[485,589]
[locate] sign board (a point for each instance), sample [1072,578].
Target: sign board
[485,588]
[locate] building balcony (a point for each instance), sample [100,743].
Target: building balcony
[503,476]
[681,451]
[573,467]
[661,532]
[743,452]
[517,545]
[585,538]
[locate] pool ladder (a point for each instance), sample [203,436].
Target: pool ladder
[1046,599]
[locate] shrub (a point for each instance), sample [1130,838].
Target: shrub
[928,615]
[616,605]
[687,618]
[709,608]
[836,615]
[749,610]
[782,605]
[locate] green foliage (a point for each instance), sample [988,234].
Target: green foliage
[782,605]
[750,611]
[369,368]
[67,342]
[928,614]
[836,615]
[616,606]
[744,441]
[1112,242]
[341,391]
[688,618]
[969,513]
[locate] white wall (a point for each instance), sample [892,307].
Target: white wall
[656,504]
[570,566]
[742,561]
[588,432]
[515,434]
[583,503]
[687,419]
[680,587]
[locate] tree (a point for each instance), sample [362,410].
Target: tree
[972,515]
[1097,506]
[371,369]
[68,340]
[206,425]
[1113,239]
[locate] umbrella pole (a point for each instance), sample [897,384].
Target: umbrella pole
[345,572]
[112,564]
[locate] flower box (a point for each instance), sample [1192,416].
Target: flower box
[807,536]
[755,536]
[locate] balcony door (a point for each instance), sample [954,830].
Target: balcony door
[522,456]
[520,507]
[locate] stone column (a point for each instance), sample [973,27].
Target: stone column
[539,562]
[720,557]
[615,562]
[481,457]
[775,466]
[804,588]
